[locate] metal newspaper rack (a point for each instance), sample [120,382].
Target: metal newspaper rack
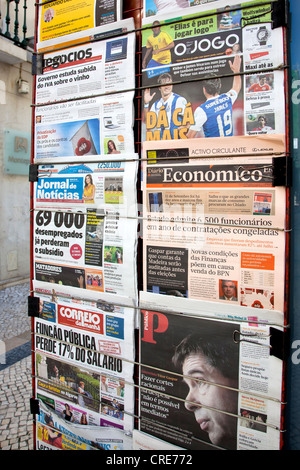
[154,388]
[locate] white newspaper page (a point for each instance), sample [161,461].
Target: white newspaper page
[86,70]
[84,129]
[214,229]
[91,254]
[56,20]
[207,384]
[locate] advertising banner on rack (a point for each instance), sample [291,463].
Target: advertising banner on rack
[207,77]
[54,431]
[58,19]
[214,228]
[91,253]
[84,129]
[207,384]
[164,10]
[88,69]
[107,185]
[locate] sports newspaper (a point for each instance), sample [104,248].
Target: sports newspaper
[216,75]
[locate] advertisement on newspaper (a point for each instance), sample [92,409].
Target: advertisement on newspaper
[84,129]
[214,228]
[203,78]
[207,384]
[58,19]
[107,185]
[91,253]
[57,430]
[88,69]
[163,11]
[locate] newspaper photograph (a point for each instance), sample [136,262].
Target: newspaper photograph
[213,228]
[86,70]
[55,432]
[163,10]
[207,384]
[91,253]
[107,185]
[84,129]
[198,76]
[58,19]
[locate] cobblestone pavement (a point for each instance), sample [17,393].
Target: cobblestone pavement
[16,425]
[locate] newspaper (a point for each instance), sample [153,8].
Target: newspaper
[84,129]
[84,332]
[92,343]
[203,79]
[87,69]
[106,185]
[214,228]
[57,20]
[117,28]
[163,10]
[54,432]
[224,393]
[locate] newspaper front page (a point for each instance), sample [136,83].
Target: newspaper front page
[93,68]
[143,441]
[206,77]
[58,20]
[55,432]
[84,129]
[84,353]
[214,228]
[207,384]
[108,185]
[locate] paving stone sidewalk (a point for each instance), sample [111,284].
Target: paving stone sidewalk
[16,425]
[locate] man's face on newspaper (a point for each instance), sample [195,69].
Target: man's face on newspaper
[220,427]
